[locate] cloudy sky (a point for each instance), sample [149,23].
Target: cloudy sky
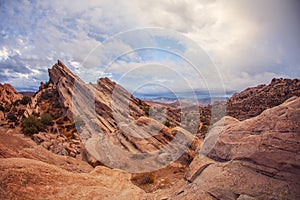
[151,46]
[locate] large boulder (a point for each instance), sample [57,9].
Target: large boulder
[258,158]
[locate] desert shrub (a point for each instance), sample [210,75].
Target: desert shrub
[31,125]
[2,108]
[204,120]
[21,112]
[167,123]
[12,117]
[47,95]
[203,129]
[140,102]
[147,110]
[46,84]
[147,179]
[78,121]
[46,119]
[25,100]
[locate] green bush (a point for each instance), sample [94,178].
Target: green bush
[1,108]
[167,123]
[140,102]
[12,117]
[31,125]
[78,122]
[47,95]
[148,110]
[46,84]
[204,120]
[203,129]
[46,119]
[25,100]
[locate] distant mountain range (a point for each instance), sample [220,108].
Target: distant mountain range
[190,97]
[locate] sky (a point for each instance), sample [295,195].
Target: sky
[151,46]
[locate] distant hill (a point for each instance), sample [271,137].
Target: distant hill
[27,94]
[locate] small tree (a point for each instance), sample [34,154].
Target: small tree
[46,119]
[203,129]
[46,84]
[31,125]
[12,117]
[167,123]
[25,100]
[140,102]
[2,108]
[147,110]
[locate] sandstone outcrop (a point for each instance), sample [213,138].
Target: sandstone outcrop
[30,179]
[28,171]
[8,95]
[253,101]
[126,126]
[9,98]
[258,157]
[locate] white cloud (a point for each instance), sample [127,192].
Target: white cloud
[4,54]
[250,41]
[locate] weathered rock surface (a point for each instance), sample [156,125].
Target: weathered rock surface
[253,101]
[256,158]
[268,142]
[9,99]
[233,180]
[16,145]
[30,179]
[8,94]
[28,171]
[104,111]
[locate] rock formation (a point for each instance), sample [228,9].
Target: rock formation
[28,171]
[106,112]
[9,97]
[103,124]
[258,157]
[253,101]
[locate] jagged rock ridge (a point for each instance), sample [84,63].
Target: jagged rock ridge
[109,113]
[253,101]
[8,94]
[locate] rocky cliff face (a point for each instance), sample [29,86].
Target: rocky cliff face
[258,158]
[268,143]
[8,95]
[253,101]
[89,113]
